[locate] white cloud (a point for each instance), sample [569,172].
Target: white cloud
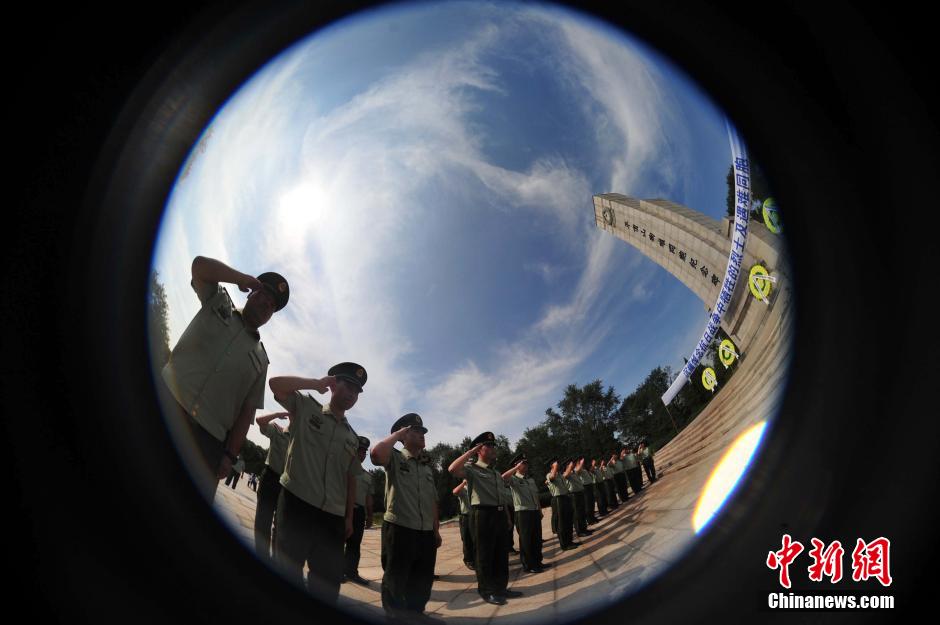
[329,207]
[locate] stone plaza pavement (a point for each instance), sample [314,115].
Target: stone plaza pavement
[629,546]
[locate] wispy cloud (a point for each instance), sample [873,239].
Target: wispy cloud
[329,198]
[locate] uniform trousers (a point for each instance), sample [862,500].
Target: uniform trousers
[410,555]
[580,514]
[492,559]
[650,469]
[635,476]
[268,491]
[530,542]
[621,480]
[589,503]
[565,520]
[307,534]
[466,537]
[611,493]
[352,552]
[554,515]
[209,450]
[601,492]
[512,526]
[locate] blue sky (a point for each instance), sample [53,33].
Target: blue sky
[423,176]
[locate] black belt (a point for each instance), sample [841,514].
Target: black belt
[480,507]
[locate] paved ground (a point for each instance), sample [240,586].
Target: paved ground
[628,547]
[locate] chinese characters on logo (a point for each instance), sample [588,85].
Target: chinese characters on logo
[869,560]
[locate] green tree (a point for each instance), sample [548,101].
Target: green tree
[643,414]
[158,323]
[254,456]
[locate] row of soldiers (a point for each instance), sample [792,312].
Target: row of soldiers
[314,494]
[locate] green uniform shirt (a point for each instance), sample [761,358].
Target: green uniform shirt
[630,462]
[321,453]
[217,365]
[608,474]
[525,493]
[617,467]
[410,495]
[598,475]
[464,500]
[277,452]
[586,476]
[646,454]
[574,483]
[557,487]
[363,487]
[485,485]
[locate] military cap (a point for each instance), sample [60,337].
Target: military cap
[485,438]
[519,458]
[363,442]
[412,419]
[351,372]
[275,284]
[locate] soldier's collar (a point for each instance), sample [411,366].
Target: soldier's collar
[407,454]
[327,410]
[254,332]
[480,463]
[519,475]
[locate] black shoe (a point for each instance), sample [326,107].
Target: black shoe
[470,566]
[511,594]
[512,550]
[545,565]
[495,600]
[437,577]
[575,543]
[532,570]
[568,548]
[356,579]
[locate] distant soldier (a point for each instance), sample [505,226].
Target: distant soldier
[631,467]
[646,458]
[362,518]
[576,488]
[410,530]
[466,536]
[608,473]
[600,489]
[214,379]
[587,478]
[525,495]
[557,479]
[270,487]
[620,476]
[315,507]
[488,506]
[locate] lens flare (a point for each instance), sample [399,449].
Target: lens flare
[726,475]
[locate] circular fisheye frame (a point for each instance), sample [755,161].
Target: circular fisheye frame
[498,211]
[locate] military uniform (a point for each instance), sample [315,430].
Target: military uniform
[311,509]
[270,487]
[466,535]
[408,535]
[217,365]
[600,490]
[525,500]
[620,480]
[510,517]
[631,467]
[610,486]
[576,488]
[488,504]
[562,500]
[587,479]
[353,543]
[646,458]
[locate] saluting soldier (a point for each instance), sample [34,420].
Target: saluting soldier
[528,513]
[576,488]
[608,473]
[270,487]
[214,379]
[620,476]
[600,490]
[631,467]
[410,532]
[488,506]
[362,518]
[318,485]
[466,536]
[558,487]
[587,478]
[646,458]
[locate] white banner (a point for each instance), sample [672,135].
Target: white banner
[742,203]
